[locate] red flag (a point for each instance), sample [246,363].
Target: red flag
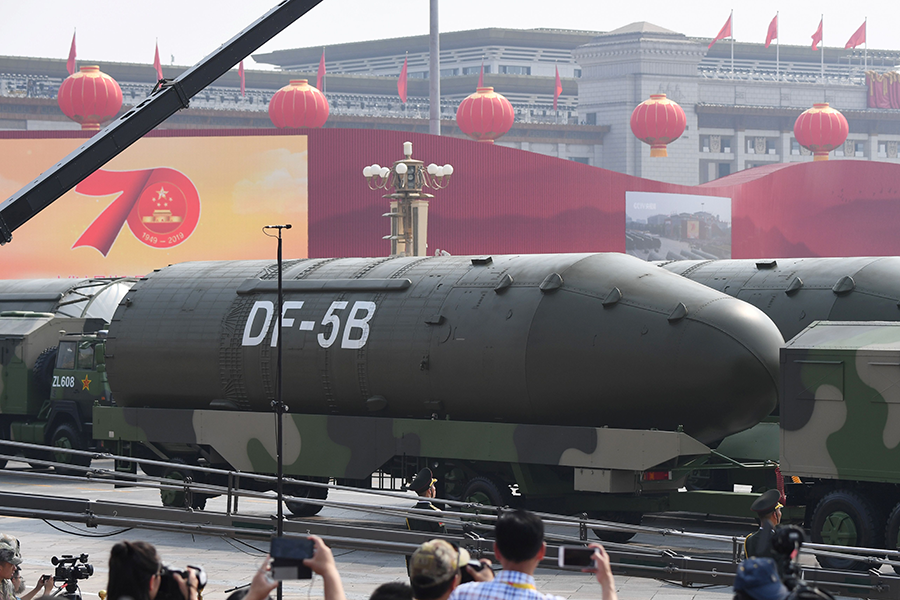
[773,31]
[558,89]
[243,82]
[401,83]
[723,33]
[817,36]
[156,64]
[70,64]
[320,76]
[481,75]
[857,38]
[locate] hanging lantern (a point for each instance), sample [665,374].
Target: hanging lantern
[485,115]
[89,97]
[821,129]
[658,121]
[298,105]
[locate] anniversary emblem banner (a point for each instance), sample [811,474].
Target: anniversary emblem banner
[162,201]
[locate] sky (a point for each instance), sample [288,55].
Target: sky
[188,30]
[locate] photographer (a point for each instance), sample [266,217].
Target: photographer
[45,582]
[136,572]
[10,559]
[322,563]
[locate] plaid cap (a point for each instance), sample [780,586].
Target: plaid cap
[9,550]
[435,562]
[758,578]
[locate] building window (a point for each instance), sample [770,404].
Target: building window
[449,72]
[724,169]
[882,150]
[795,147]
[581,159]
[515,70]
[770,147]
[590,118]
[860,149]
[577,73]
[475,70]
[419,75]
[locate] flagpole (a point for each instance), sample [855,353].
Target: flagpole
[866,46]
[324,75]
[731,18]
[777,46]
[822,70]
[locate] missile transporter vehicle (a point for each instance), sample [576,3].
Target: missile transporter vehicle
[576,383]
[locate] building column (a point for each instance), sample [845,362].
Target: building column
[785,146]
[740,155]
[873,146]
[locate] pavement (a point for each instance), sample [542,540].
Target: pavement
[231,563]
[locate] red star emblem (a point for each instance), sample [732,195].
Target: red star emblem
[86,383]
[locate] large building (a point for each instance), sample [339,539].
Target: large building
[740,112]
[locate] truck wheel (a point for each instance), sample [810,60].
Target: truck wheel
[180,498]
[483,490]
[892,532]
[42,371]
[65,436]
[617,537]
[846,518]
[305,509]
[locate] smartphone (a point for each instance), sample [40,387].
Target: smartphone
[576,556]
[287,558]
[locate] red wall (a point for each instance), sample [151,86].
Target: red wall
[827,208]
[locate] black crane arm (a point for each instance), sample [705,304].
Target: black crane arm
[167,98]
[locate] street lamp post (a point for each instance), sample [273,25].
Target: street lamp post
[409,202]
[278,405]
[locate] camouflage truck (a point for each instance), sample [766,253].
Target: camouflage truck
[840,433]
[52,375]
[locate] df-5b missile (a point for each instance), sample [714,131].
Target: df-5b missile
[794,292]
[563,339]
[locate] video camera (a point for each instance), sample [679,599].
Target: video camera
[785,543]
[168,586]
[71,568]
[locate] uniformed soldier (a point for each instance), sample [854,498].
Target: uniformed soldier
[768,510]
[423,485]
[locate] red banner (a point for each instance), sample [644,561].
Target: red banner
[161,206]
[883,89]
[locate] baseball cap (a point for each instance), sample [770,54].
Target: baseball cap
[435,562]
[9,550]
[758,578]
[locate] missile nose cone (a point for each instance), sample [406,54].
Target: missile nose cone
[747,362]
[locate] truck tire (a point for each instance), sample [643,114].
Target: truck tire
[484,490]
[305,509]
[616,537]
[180,498]
[42,371]
[892,532]
[66,436]
[846,518]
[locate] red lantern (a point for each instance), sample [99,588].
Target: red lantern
[821,129]
[298,105]
[485,115]
[658,121]
[89,97]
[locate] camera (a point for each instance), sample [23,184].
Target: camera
[785,543]
[71,568]
[476,565]
[287,558]
[168,586]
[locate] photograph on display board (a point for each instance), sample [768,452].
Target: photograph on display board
[164,200]
[661,226]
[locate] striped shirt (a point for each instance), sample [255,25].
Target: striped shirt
[507,585]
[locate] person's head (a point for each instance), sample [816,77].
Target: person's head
[18,582]
[10,556]
[757,578]
[434,569]
[423,484]
[768,507]
[134,571]
[394,590]
[519,536]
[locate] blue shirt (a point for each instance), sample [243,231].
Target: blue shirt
[507,585]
